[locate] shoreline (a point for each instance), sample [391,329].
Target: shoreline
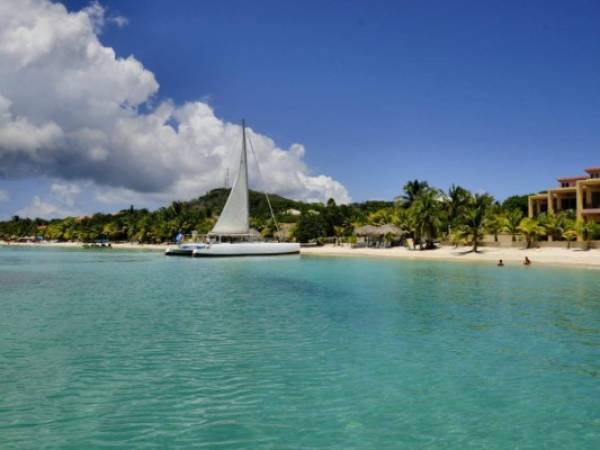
[510,256]
[116,245]
[545,256]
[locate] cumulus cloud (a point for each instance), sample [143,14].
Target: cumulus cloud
[66,192]
[4,197]
[46,210]
[71,109]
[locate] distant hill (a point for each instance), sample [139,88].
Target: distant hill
[198,215]
[212,203]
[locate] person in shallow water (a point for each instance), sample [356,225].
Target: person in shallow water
[500,263]
[526,261]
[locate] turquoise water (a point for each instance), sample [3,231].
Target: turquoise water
[116,349]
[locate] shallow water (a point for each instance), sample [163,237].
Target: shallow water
[123,349]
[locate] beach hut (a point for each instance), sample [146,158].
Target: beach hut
[376,236]
[392,229]
[368,235]
[367,230]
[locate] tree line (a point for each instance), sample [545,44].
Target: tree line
[426,215]
[429,215]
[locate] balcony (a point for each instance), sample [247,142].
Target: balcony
[595,203]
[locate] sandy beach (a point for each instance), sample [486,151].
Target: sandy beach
[488,255]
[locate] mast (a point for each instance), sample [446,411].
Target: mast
[245,164]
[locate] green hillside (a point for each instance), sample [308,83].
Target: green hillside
[198,215]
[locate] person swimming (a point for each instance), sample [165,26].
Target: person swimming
[500,263]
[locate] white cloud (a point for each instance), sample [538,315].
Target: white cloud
[71,109]
[4,197]
[120,21]
[45,210]
[66,192]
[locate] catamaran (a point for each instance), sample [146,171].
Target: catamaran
[231,234]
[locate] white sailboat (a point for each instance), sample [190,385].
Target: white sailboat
[231,234]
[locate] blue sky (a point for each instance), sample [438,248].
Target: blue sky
[496,96]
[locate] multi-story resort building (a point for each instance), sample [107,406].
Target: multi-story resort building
[579,194]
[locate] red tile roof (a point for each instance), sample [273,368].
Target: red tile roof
[592,169]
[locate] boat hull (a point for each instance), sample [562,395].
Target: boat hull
[247,249]
[183,249]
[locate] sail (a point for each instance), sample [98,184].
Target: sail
[234,218]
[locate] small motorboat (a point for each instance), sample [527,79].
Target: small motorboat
[186,249]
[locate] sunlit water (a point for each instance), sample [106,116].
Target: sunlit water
[115,349]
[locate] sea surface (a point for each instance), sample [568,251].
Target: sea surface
[130,349]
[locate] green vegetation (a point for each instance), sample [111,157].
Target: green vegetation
[531,230]
[587,231]
[519,202]
[424,213]
[474,217]
[513,219]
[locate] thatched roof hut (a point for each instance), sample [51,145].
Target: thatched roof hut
[367,230]
[371,230]
[389,228]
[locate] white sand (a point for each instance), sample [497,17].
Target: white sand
[487,255]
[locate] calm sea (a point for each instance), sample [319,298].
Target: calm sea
[119,349]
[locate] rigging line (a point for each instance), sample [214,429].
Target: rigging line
[261,177]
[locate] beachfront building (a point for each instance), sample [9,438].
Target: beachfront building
[580,194]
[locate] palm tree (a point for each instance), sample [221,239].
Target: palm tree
[456,201]
[426,211]
[340,232]
[513,219]
[474,216]
[555,225]
[587,231]
[494,224]
[569,235]
[381,216]
[412,190]
[531,229]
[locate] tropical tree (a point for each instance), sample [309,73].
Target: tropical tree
[494,223]
[456,201]
[473,218]
[457,235]
[339,232]
[513,220]
[412,190]
[204,226]
[531,230]
[268,228]
[587,230]
[555,224]
[520,202]
[426,211]
[381,216]
[310,227]
[570,236]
